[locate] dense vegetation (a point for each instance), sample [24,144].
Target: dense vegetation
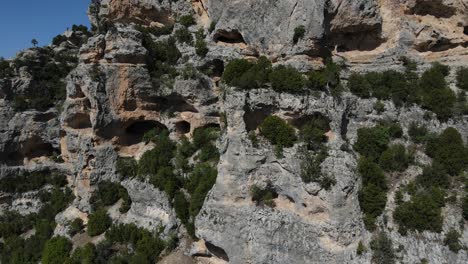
[372,144]
[429,90]
[382,248]
[168,167]
[312,134]
[278,132]
[251,75]
[48,69]
[299,33]
[17,249]
[29,181]
[428,192]
[98,222]
[108,193]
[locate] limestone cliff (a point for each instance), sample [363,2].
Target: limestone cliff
[136,72]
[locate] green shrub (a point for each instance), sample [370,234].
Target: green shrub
[372,141]
[98,222]
[299,33]
[156,31]
[76,226]
[311,170]
[201,48]
[5,70]
[158,157]
[465,207]
[30,181]
[462,78]
[418,133]
[286,79]
[379,107]
[203,136]
[434,176]
[372,201]
[247,75]
[263,196]
[382,248]
[452,240]
[184,36]
[422,212]
[359,86]
[313,132]
[56,250]
[161,57]
[449,150]
[317,81]
[234,70]
[360,248]
[84,255]
[200,183]
[371,173]
[395,158]
[147,245]
[278,132]
[187,20]
[108,194]
[436,96]
[166,180]
[47,69]
[126,167]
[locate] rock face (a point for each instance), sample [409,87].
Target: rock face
[113,99]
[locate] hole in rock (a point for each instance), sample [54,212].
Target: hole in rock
[434,8]
[344,125]
[318,119]
[182,127]
[217,251]
[35,147]
[172,103]
[135,131]
[253,118]
[78,93]
[465,30]
[214,68]
[44,117]
[79,121]
[233,36]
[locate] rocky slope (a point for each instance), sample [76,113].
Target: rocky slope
[115,96]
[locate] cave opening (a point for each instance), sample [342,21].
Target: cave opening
[79,121]
[253,118]
[434,8]
[182,127]
[217,251]
[135,131]
[215,68]
[232,37]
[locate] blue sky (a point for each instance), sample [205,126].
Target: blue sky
[23,20]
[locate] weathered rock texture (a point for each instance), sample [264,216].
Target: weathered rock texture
[111,102]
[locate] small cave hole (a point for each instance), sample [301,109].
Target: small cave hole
[79,121]
[318,119]
[254,118]
[214,68]
[35,147]
[233,36]
[217,251]
[44,117]
[135,131]
[435,8]
[465,30]
[182,127]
